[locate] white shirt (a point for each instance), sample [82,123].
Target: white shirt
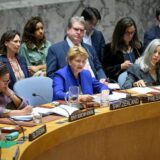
[87,38]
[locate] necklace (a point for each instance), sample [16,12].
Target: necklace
[16,68]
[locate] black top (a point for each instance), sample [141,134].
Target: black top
[112,61]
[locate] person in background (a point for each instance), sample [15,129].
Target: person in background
[16,64]
[35,46]
[92,36]
[10,104]
[57,53]
[123,50]
[146,70]
[153,32]
[74,74]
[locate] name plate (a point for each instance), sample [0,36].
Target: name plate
[81,114]
[40,131]
[122,103]
[153,98]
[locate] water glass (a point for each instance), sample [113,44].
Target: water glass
[105,98]
[37,118]
[72,96]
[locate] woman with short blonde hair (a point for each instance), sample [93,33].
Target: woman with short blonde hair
[74,74]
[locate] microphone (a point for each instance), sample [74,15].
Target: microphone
[42,97]
[22,130]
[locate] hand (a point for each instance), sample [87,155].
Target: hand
[126,64]
[102,80]
[85,98]
[139,83]
[27,110]
[33,69]
[7,91]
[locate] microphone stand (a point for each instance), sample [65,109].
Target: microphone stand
[21,140]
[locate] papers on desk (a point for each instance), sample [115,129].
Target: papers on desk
[22,118]
[112,97]
[116,96]
[63,110]
[143,90]
[113,86]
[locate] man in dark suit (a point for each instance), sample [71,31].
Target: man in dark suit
[57,53]
[153,32]
[93,37]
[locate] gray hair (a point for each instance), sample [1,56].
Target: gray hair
[145,60]
[76,19]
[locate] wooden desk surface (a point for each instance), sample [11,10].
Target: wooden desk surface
[131,133]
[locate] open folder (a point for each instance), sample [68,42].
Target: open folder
[63,110]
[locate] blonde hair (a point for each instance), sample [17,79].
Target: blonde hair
[76,51]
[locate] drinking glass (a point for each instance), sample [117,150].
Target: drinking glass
[72,96]
[37,117]
[104,98]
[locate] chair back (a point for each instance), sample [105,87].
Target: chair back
[122,78]
[36,90]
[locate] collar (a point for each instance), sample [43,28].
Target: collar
[90,34]
[70,43]
[35,47]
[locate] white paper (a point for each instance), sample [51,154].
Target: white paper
[143,90]
[113,86]
[64,110]
[22,118]
[112,97]
[116,95]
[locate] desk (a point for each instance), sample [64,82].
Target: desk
[131,133]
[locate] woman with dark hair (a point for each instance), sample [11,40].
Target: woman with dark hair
[16,64]
[123,50]
[10,104]
[146,70]
[35,46]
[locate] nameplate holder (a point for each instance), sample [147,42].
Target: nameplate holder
[37,133]
[16,154]
[81,114]
[125,102]
[153,98]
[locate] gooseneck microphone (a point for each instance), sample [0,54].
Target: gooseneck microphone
[42,97]
[22,129]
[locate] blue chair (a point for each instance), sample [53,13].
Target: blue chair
[36,90]
[122,78]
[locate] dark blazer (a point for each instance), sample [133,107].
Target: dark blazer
[64,78]
[22,62]
[135,74]
[151,34]
[57,54]
[98,42]
[112,62]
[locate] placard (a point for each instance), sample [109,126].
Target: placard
[81,114]
[125,102]
[153,98]
[40,131]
